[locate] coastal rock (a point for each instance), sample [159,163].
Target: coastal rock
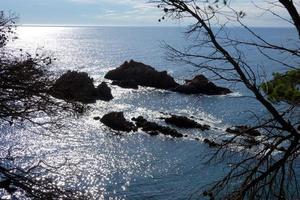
[243,130]
[126,84]
[117,121]
[104,92]
[184,122]
[78,86]
[211,143]
[143,75]
[153,128]
[96,118]
[8,186]
[75,86]
[201,85]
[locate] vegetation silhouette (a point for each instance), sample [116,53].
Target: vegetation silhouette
[269,171]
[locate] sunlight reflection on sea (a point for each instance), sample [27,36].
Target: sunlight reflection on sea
[133,165]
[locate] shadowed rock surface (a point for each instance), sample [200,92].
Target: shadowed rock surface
[117,121]
[201,85]
[78,86]
[96,118]
[126,84]
[184,122]
[8,185]
[243,130]
[153,128]
[104,92]
[143,75]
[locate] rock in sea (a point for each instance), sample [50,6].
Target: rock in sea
[243,131]
[184,122]
[126,84]
[201,85]
[117,121]
[78,86]
[153,128]
[141,74]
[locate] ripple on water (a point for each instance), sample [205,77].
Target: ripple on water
[133,165]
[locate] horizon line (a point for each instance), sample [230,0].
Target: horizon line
[116,25]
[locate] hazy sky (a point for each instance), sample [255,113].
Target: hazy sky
[109,12]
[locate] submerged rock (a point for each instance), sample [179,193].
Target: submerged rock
[141,74]
[243,131]
[78,86]
[117,121]
[201,85]
[126,84]
[153,128]
[184,122]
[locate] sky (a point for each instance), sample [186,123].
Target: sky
[111,12]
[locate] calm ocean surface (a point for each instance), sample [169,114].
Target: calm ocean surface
[135,165]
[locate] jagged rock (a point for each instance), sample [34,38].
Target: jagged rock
[150,127]
[143,75]
[78,86]
[243,130]
[117,121]
[104,92]
[201,85]
[126,84]
[75,86]
[184,122]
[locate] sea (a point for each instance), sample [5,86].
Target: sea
[91,158]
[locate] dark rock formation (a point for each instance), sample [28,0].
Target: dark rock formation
[78,86]
[104,92]
[152,127]
[8,186]
[211,143]
[243,131]
[96,118]
[117,121]
[153,133]
[201,85]
[184,122]
[143,75]
[126,84]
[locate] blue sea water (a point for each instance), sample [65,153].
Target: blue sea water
[134,165]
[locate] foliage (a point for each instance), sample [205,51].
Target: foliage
[266,168]
[7,24]
[25,85]
[284,87]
